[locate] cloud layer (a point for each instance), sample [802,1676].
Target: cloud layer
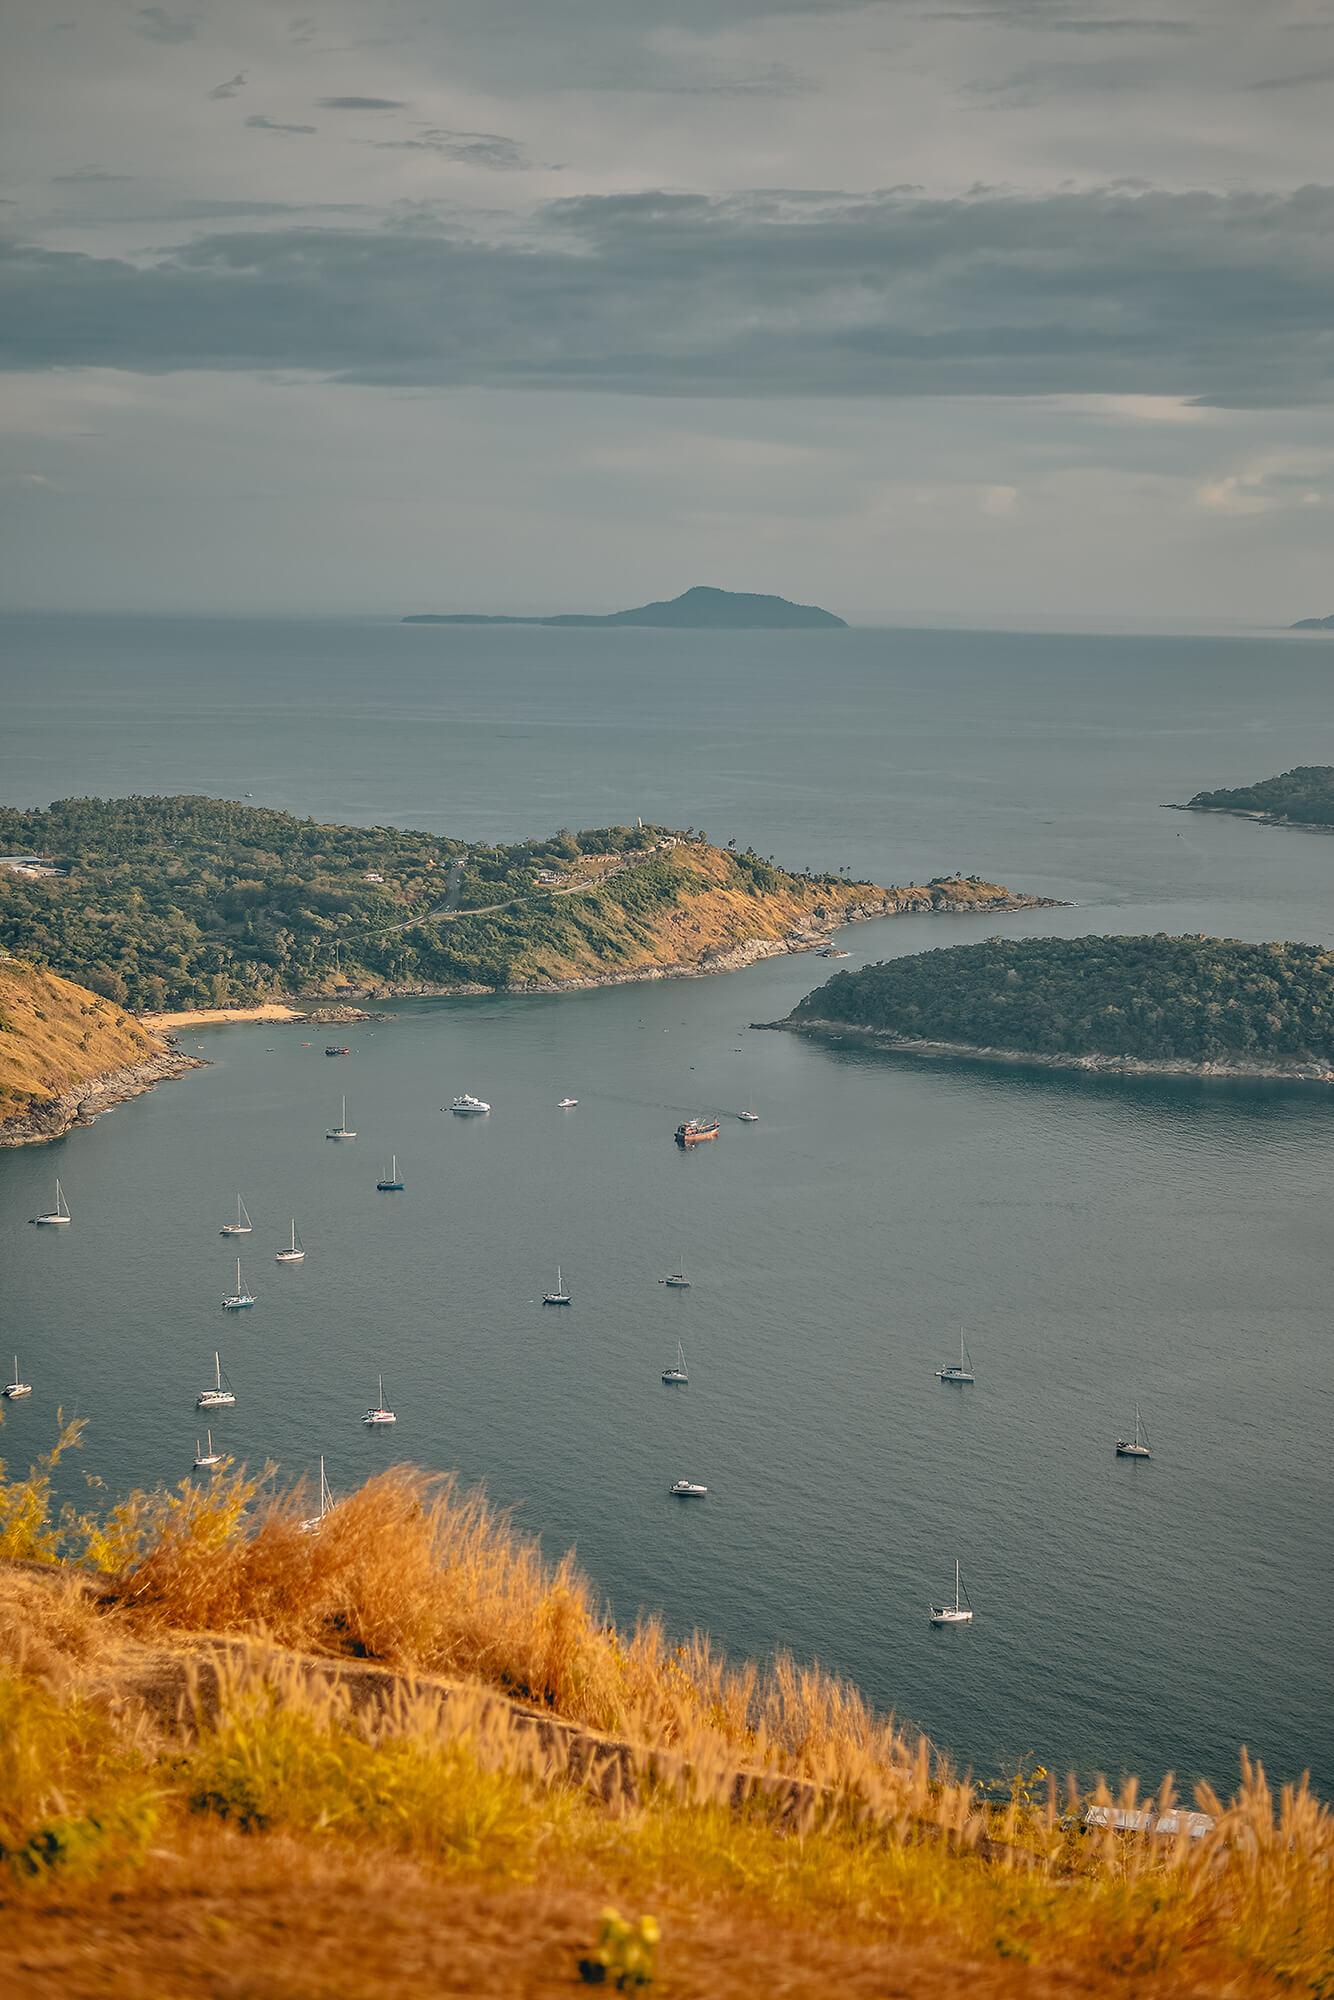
[1229,299]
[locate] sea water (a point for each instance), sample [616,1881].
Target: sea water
[1103,1242]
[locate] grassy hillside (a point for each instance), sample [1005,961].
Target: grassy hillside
[1305,796]
[254,1820]
[54,1035]
[181,902]
[1198,999]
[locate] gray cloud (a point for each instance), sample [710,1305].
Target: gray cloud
[474,149]
[230,88]
[1321,74]
[82,176]
[1228,299]
[261,124]
[363,103]
[160,26]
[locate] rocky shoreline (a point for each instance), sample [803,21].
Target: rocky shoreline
[1259,818]
[53,1117]
[1276,1069]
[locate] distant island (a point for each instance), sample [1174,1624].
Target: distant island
[1313,624]
[701,610]
[1186,1005]
[1301,797]
[170,904]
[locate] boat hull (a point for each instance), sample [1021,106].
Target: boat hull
[56,1221]
[1132,1450]
[949,1616]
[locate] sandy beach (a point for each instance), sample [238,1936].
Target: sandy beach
[216,1017]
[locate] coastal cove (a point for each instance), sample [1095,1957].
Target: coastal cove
[1104,1240]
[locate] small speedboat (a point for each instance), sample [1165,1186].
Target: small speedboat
[566,1103]
[468,1106]
[687,1489]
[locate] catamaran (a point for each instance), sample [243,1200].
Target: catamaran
[1136,1447]
[468,1106]
[221,1396]
[380,1415]
[678,1373]
[956,1613]
[206,1458]
[316,1521]
[960,1370]
[60,1213]
[241,1226]
[560,1297]
[341,1130]
[687,1489]
[240,1297]
[294,1253]
[391,1184]
[13,1390]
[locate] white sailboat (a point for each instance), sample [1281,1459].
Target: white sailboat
[204,1459]
[560,1297]
[678,1281]
[380,1414]
[241,1226]
[240,1297]
[13,1390]
[316,1521]
[221,1396]
[60,1213]
[956,1613]
[1136,1447]
[678,1373]
[750,1116]
[294,1254]
[341,1130]
[960,1370]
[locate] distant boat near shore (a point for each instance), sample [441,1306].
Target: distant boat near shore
[58,1214]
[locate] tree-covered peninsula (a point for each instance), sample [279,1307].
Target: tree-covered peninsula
[1302,797]
[174,903]
[1182,1001]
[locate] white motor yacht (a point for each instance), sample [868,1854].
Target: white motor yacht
[468,1106]
[566,1103]
[687,1489]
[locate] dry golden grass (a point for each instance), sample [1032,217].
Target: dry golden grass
[54,1034]
[289,1782]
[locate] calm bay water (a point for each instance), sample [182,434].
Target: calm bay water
[1104,1242]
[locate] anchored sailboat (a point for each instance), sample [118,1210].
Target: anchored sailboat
[13,1390]
[221,1396]
[294,1254]
[241,1226]
[678,1373]
[240,1297]
[750,1116]
[380,1415]
[1136,1447]
[960,1370]
[313,1525]
[341,1130]
[560,1297]
[204,1459]
[60,1213]
[391,1184]
[956,1613]
[678,1280]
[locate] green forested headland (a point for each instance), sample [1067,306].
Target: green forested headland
[179,902]
[1197,999]
[1304,796]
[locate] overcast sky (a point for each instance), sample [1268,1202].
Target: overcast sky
[1022,309]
